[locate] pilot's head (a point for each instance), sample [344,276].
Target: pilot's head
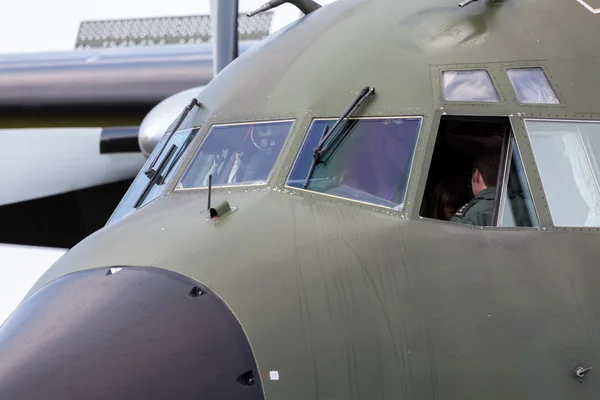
[485,171]
[449,194]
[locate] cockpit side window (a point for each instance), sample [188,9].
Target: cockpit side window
[239,154]
[146,188]
[532,86]
[566,154]
[476,176]
[371,164]
[469,86]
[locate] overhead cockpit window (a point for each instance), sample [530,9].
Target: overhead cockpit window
[151,182]
[371,163]
[566,154]
[239,154]
[471,86]
[532,86]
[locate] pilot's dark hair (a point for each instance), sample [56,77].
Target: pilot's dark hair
[487,164]
[451,192]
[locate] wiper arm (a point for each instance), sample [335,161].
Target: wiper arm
[161,179]
[152,181]
[150,172]
[306,6]
[321,149]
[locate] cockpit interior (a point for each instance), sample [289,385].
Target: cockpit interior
[459,141]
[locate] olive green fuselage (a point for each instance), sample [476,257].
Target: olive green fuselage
[347,300]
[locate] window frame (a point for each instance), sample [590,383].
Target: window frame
[512,134]
[345,200]
[513,145]
[502,185]
[192,156]
[506,160]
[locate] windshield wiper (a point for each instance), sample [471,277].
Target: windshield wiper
[152,181]
[162,178]
[150,172]
[321,149]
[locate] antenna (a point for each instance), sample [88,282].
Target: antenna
[220,210]
[150,172]
[209,190]
[306,6]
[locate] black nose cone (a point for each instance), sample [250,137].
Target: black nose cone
[133,333]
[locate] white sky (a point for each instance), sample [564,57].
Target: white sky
[51,25]
[21,267]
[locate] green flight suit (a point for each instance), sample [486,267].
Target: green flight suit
[479,210]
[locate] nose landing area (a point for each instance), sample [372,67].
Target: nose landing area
[133,333]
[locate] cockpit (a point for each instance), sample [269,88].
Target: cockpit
[392,163]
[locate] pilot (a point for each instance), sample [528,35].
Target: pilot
[480,209]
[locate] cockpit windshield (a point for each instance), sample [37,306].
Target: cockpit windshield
[239,154]
[371,165]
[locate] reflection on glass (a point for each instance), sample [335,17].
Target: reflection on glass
[532,86]
[143,189]
[566,157]
[474,85]
[371,165]
[519,209]
[241,154]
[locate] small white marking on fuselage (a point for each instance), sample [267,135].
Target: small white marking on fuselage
[274,375]
[590,8]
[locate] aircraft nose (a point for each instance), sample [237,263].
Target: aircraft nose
[130,333]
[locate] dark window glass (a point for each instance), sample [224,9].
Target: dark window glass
[372,164]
